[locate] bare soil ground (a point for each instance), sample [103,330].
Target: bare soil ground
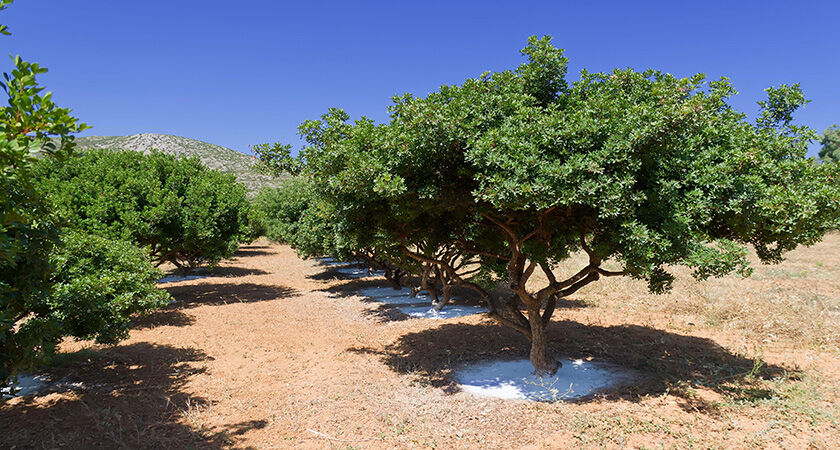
[269,350]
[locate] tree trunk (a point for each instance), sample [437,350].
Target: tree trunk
[426,284]
[393,276]
[447,295]
[543,363]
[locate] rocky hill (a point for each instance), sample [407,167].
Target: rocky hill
[212,156]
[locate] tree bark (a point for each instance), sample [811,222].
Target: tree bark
[428,285]
[447,295]
[393,276]
[542,362]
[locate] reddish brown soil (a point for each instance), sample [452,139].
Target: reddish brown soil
[271,350]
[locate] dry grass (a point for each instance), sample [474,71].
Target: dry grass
[269,350]
[797,301]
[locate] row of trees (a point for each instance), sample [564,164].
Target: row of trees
[488,182]
[80,235]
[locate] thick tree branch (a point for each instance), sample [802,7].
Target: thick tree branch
[528,272]
[548,273]
[593,259]
[549,310]
[513,237]
[526,330]
[593,276]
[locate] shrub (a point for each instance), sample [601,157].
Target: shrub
[98,285]
[27,231]
[282,208]
[830,151]
[179,210]
[254,226]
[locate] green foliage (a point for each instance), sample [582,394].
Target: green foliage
[283,207]
[830,151]
[293,215]
[276,159]
[84,287]
[27,231]
[98,285]
[253,226]
[781,103]
[650,168]
[178,209]
[4,30]
[517,170]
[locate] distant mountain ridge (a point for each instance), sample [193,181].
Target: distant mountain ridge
[212,156]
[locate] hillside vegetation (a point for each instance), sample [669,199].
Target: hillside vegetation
[212,156]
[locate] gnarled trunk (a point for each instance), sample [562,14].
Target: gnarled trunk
[428,285]
[543,363]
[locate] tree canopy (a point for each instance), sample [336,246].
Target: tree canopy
[830,151]
[28,234]
[513,172]
[181,211]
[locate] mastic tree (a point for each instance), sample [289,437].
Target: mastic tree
[830,151]
[98,285]
[283,209]
[295,215]
[28,233]
[520,169]
[54,283]
[179,210]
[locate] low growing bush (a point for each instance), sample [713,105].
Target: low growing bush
[99,284]
[179,210]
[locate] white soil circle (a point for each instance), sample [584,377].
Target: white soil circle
[448,311]
[576,378]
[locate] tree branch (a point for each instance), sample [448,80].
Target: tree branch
[524,330]
[585,246]
[549,310]
[593,276]
[608,273]
[528,272]
[512,234]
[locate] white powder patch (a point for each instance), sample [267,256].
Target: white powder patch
[358,272]
[448,311]
[174,278]
[39,384]
[404,300]
[419,306]
[516,380]
[383,291]
[391,296]
[332,262]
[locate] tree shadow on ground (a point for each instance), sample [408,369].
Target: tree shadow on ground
[189,296]
[194,295]
[383,312]
[167,317]
[665,359]
[233,272]
[131,396]
[332,273]
[350,287]
[261,250]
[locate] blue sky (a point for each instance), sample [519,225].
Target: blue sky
[246,72]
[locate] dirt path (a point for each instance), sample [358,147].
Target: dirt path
[270,350]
